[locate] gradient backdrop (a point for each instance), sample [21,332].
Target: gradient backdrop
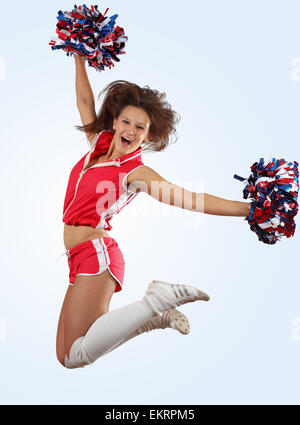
[232,71]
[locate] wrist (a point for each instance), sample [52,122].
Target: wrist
[247,208]
[238,208]
[79,58]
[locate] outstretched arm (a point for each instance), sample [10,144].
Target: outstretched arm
[145,179]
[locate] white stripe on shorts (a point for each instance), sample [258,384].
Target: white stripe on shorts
[102,256]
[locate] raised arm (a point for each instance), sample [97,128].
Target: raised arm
[84,95]
[84,91]
[145,179]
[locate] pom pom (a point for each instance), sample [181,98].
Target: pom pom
[273,187]
[86,32]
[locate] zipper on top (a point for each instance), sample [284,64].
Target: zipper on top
[104,164]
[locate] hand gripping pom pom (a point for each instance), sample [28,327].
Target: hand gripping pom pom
[273,187]
[86,32]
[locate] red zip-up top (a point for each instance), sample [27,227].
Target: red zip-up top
[95,194]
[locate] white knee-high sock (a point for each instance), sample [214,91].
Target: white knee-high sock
[107,332]
[110,329]
[157,322]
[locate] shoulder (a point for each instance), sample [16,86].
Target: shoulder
[144,174]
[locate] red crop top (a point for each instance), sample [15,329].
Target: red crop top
[95,194]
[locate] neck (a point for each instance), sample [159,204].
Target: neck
[112,153]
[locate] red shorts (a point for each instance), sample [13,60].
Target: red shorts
[92,257]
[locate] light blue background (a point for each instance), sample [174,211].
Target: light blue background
[231,69]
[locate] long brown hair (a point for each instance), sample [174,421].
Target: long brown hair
[121,93]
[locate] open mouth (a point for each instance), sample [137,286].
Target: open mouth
[126,141]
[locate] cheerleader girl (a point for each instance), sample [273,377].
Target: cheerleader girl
[131,120]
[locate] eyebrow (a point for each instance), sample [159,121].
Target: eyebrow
[140,122]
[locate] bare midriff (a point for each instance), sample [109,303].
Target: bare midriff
[74,235]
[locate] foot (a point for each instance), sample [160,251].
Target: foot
[166,296]
[173,319]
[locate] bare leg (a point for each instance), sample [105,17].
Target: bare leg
[84,302]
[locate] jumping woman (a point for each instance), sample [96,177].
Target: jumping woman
[131,120]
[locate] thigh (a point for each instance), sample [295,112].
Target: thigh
[84,302]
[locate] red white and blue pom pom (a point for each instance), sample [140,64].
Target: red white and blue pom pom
[273,187]
[88,33]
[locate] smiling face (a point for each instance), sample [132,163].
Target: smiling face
[132,124]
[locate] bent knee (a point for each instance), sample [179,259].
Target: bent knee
[61,360]
[71,364]
[60,355]
[77,356]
